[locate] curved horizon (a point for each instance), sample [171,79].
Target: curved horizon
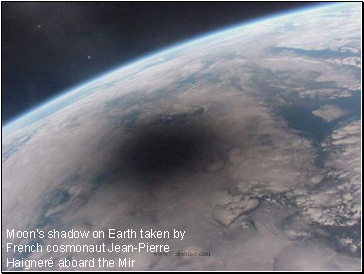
[164,50]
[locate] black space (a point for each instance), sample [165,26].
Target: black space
[45,45]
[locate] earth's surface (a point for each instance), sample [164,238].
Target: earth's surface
[248,139]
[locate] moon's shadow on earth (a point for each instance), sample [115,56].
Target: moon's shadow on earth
[169,150]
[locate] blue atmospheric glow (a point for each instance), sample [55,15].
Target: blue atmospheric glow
[184,44]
